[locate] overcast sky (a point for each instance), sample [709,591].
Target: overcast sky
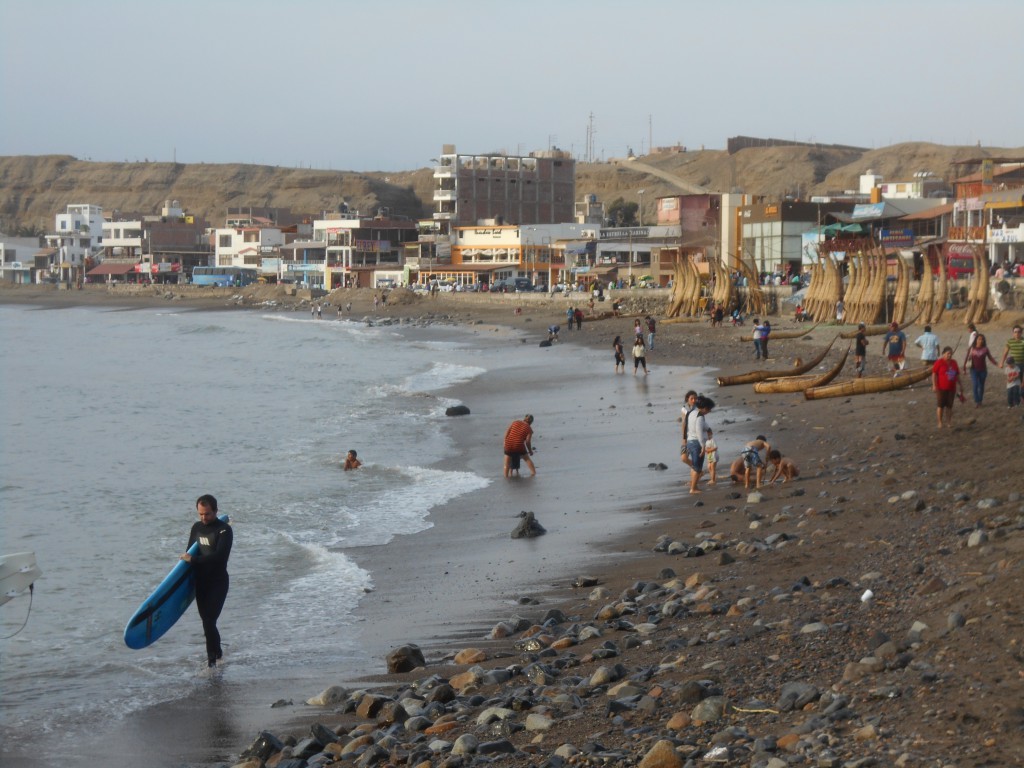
[382,84]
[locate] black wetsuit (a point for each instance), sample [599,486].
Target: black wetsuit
[211,566]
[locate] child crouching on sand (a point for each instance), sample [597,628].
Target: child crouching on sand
[784,468]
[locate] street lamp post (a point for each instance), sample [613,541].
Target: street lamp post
[640,212]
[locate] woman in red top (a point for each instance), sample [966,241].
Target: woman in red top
[975,363]
[945,383]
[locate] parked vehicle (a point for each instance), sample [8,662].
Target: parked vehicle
[959,267]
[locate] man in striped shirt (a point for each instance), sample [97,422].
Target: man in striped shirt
[518,445]
[1014,349]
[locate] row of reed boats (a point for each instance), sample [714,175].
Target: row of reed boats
[820,386]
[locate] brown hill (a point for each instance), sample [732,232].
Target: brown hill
[34,188]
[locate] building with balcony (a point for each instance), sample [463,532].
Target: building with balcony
[536,189]
[246,246]
[165,245]
[543,253]
[77,238]
[357,247]
[988,213]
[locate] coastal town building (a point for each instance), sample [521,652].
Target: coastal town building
[17,259]
[542,253]
[988,214]
[77,238]
[356,250]
[152,248]
[921,184]
[539,188]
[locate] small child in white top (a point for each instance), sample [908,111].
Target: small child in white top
[1012,383]
[711,457]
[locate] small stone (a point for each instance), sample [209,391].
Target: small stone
[662,755]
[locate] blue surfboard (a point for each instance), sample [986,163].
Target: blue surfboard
[159,612]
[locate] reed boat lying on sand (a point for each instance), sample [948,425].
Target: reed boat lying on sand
[801,383]
[879,329]
[783,334]
[869,384]
[751,376]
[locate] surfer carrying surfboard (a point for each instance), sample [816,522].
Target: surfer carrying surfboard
[210,564]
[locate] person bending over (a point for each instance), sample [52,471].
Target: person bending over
[784,468]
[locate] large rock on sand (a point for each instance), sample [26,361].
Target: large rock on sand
[405,659]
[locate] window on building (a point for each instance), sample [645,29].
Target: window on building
[224,241]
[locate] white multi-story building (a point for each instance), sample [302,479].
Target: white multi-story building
[77,236]
[246,246]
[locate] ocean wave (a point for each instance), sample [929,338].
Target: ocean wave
[441,376]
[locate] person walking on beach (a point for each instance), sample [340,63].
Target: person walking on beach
[620,357]
[894,346]
[570,317]
[946,382]
[1015,349]
[210,564]
[860,349]
[975,363]
[351,461]
[929,344]
[840,311]
[651,326]
[638,330]
[639,355]
[1012,383]
[579,318]
[519,445]
[696,439]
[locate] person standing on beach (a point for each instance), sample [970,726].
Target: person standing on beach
[840,311]
[929,344]
[860,349]
[519,445]
[210,564]
[975,363]
[620,357]
[570,317]
[639,355]
[945,383]
[651,327]
[696,439]
[578,313]
[689,404]
[711,457]
[1015,349]
[894,346]
[758,336]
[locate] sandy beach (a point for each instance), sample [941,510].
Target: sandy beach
[660,628]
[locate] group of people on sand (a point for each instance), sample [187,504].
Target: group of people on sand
[640,346]
[947,378]
[699,448]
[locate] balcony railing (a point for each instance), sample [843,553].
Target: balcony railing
[968,234]
[443,195]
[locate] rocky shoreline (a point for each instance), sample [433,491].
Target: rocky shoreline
[867,614]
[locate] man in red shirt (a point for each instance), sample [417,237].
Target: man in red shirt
[518,445]
[945,383]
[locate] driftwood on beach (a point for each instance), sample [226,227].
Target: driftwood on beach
[761,375]
[869,384]
[801,383]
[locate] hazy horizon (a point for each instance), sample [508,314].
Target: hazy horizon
[339,86]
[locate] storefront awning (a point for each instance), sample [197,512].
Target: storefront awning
[108,268]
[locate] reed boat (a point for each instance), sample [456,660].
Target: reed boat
[801,383]
[761,375]
[775,335]
[869,384]
[878,329]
